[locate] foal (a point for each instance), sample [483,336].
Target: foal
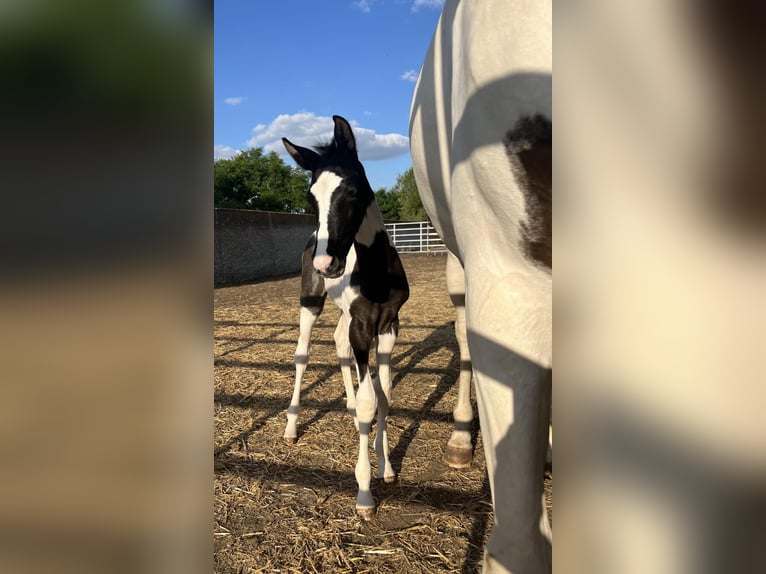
[351,258]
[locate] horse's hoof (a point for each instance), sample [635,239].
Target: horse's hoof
[367,514]
[458,457]
[291,439]
[389,479]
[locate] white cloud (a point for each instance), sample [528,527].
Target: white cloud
[367,112]
[418,4]
[224,152]
[363,5]
[235,101]
[307,129]
[410,76]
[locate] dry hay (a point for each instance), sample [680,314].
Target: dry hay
[290,508]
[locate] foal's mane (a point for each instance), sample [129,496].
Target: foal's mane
[331,154]
[325,149]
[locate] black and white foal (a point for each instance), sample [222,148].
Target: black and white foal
[351,258]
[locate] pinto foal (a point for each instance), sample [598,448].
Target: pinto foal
[350,258]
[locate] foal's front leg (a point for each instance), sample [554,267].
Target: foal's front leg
[383,391]
[313,295]
[308,318]
[360,335]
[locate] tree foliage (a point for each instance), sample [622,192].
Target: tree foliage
[402,201]
[388,203]
[254,180]
[410,206]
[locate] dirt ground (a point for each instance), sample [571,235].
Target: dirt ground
[290,508]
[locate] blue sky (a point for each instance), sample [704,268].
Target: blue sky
[284,67]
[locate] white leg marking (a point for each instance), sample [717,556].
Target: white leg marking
[307,321]
[365,411]
[383,390]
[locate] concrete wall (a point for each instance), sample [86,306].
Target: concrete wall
[252,245]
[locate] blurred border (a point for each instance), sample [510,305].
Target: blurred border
[106,336]
[659,228]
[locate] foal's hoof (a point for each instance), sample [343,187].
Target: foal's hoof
[290,439]
[458,457]
[389,479]
[367,514]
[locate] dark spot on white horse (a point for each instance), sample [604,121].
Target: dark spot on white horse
[529,148]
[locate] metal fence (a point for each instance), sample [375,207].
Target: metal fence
[415,237]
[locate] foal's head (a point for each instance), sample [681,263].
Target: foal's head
[340,195]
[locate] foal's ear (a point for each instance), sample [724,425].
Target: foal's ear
[303,156]
[344,137]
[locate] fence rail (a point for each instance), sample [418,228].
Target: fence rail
[415,237]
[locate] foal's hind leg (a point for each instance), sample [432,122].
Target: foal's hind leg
[459,451]
[343,348]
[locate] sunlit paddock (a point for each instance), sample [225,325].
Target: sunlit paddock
[291,507]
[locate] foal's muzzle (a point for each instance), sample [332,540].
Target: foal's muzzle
[329,266]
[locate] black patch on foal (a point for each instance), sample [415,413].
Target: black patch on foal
[313,292]
[382,283]
[528,146]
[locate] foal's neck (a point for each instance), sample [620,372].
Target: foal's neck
[372,224]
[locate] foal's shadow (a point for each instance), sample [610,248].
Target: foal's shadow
[421,350]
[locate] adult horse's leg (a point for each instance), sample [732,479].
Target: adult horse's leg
[514,398]
[343,348]
[459,451]
[383,391]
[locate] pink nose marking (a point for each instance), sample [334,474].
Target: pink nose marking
[321,262]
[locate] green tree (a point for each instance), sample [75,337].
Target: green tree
[388,203]
[252,180]
[410,206]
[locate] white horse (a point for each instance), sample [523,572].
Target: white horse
[480,136]
[351,258]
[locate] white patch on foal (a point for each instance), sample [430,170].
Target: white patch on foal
[371,225]
[322,190]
